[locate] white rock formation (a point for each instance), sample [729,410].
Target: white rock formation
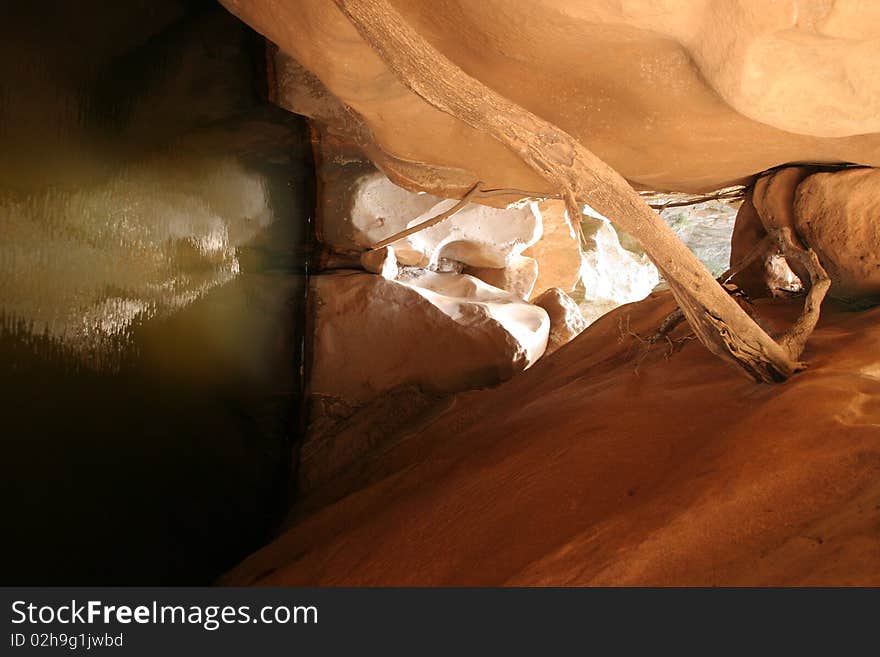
[612,275]
[441,332]
[477,235]
[472,302]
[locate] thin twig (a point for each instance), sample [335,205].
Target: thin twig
[722,195]
[430,222]
[510,191]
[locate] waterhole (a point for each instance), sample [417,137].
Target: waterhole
[153,213]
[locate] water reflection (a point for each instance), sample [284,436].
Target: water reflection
[82,266]
[152,211]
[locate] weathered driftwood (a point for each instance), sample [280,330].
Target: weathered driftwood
[582,178]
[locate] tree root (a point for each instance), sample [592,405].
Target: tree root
[795,339]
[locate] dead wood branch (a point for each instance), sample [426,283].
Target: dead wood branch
[581,177]
[795,339]
[729,194]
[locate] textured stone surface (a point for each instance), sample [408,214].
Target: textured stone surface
[838,215]
[442,332]
[475,235]
[557,252]
[566,321]
[381,261]
[588,470]
[680,95]
[517,278]
[612,275]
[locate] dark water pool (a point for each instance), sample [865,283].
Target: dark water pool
[153,211]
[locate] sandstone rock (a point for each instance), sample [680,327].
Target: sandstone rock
[477,235]
[341,437]
[746,84]
[381,261]
[517,278]
[769,273]
[838,215]
[442,332]
[557,252]
[566,321]
[473,303]
[377,208]
[773,198]
[748,231]
[676,475]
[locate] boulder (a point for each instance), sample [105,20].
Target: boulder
[838,215]
[517,278]
[441,332]
[566,321]
[773,198]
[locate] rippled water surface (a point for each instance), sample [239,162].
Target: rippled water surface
[153,209]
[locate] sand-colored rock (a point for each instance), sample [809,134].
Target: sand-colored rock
[589,470]
[773,198]
[566,321]
[517,278]
[557,252]
[681,95]
[442,332]
[341,437]
[838,215]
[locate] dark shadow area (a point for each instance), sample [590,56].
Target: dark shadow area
[153,210]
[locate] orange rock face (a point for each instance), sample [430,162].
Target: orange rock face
[681,95]
[557,252]
[838,214]
[601,465]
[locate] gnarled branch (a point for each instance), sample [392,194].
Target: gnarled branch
[581,177]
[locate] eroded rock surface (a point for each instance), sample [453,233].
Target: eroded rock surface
[518,277]
[557,252]
[681,95]
[588,470]
[476,235]
[442,332]
[838,215]
[566,321]
[612,275]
